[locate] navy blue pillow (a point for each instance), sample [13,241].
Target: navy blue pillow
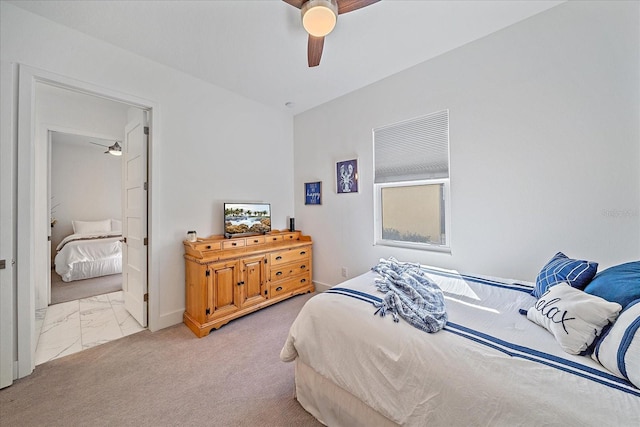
[577,273]
[620,283]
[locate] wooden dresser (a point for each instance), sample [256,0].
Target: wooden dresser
[228,278]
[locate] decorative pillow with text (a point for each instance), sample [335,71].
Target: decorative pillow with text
[573,317]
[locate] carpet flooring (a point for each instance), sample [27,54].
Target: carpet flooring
[71,291]
[232,377]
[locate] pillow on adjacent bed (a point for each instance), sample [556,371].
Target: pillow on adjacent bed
[574,318]
[89,227]
[620,283]
[577,273]
[619,348]
[116,225]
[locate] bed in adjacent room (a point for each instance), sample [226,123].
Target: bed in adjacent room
[489,364]
[93,250]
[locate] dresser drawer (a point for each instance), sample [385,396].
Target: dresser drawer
[208,246]
[287,270]
[271,239]
[251,241]
[286,286]
[292,255]
[232,244]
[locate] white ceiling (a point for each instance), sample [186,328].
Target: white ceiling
[258,48]
[73,139]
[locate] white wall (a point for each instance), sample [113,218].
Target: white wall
[210,146]
[544,141]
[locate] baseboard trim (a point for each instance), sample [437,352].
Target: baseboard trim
[321,287]
[166,320]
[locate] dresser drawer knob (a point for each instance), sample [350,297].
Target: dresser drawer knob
[278,258]
[279,273]
[279,288]
[303,266]
[208,246]
[302,252]
[303,280]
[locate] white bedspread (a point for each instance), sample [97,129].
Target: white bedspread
[490,366]
[82,256]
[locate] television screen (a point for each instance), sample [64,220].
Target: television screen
[246,218]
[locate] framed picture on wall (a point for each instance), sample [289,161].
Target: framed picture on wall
[347,176]
[313,193]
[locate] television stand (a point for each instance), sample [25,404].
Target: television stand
[228,278]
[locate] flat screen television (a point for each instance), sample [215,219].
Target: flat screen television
[243,219]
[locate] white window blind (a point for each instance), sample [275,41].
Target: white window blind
[413,150]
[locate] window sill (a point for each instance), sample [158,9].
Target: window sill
[416,246]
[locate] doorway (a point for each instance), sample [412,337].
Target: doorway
[86,302]
[31,222]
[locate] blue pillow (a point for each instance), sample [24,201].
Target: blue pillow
[620,283]
[577,273]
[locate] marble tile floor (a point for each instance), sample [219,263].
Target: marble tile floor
[73,326]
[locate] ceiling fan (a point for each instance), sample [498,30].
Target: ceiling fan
[319,18]
[114,149]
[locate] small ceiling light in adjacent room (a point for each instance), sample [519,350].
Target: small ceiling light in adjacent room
[319,16]
[115,149]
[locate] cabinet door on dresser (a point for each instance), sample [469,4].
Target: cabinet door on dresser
[223,297]
[252,282]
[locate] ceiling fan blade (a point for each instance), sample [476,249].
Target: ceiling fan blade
[314,50]
[345,6]
[95,143]
[295,3]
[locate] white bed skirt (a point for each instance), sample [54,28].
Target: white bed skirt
[331,405]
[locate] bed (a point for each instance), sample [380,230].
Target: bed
[93,250]
[489,366]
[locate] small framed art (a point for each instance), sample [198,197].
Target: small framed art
[347,176]
[313,193]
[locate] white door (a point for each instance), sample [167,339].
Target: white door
[7,155]
[134,224]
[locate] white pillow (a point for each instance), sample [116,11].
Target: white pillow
[619,348]
[116,225]
[573,317]
[89,227]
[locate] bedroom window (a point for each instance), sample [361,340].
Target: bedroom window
[411,183]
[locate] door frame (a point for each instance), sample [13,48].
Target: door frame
[8,176]
[31,225]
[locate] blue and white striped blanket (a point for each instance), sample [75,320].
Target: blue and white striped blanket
[410,294]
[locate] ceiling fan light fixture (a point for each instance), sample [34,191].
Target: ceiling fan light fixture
[319,16]
[115,149]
